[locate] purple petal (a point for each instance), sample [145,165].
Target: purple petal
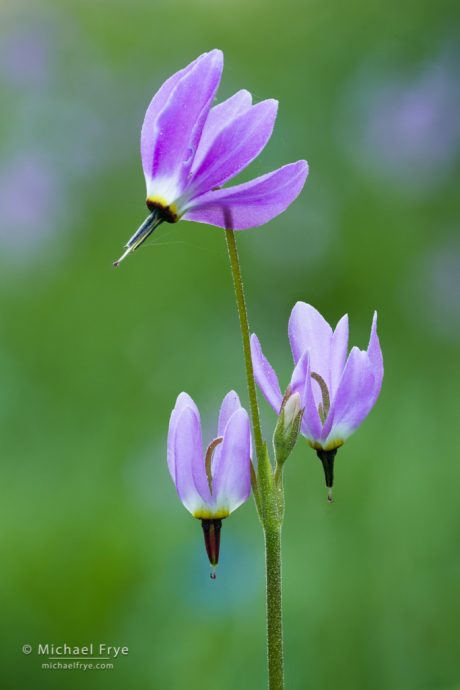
[179,125]
[339,348]
[265,375]
[231,483]
[230,404]
[353,400]
[183,401]
[218,118]
[374,353]
[252,203]
[308,330]
[156,105]
[300,374]
[235,147]
[311,423]
[188,455]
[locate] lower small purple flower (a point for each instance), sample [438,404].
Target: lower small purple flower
[211,483]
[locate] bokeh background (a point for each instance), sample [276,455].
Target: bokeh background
[95,545]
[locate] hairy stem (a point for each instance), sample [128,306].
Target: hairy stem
[274,608]
[266,491]
[244,325]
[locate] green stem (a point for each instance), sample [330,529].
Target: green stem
[267,500]
[274,609]
[244,325]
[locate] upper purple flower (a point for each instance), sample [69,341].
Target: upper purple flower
[190,149]
[210,483]
[336,392]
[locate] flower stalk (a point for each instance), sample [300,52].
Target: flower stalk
[245,335]
[267,489]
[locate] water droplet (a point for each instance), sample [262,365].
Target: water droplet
[188,156]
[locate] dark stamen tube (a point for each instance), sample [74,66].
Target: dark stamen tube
[211,531]
[148,226]
[327,458]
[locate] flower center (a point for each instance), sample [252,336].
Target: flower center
[324,407]
[208,460]
[167,212]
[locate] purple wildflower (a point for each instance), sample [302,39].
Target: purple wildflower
[336,392]
[210,484]
[190,149]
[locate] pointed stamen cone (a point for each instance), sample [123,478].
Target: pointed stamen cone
[327,458]
[122,257]
[142,233]
[211,532]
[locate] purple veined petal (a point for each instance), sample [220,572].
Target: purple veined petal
[339,349]
[179,125]
[230,404]
[353,400]
[300,374]
[188,455]
[374,353]
[218,118]
[311,426]
[265,375]
[308,330]
[250,204]
[156,105]
[235,147]
[231,483]
[183,401]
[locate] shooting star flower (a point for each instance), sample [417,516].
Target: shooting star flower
[190,149]
[210,484]
[337,393]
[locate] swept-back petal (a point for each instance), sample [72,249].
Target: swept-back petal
[218,118]
[374,353]
[265,375]
[353,400]
[183,401]
[230,404]
[231,484]
[308,330]
[252,203]
[339,348]
[311,426]
[300,374]
[188,456]
[156,105]
[235,147]
[179,125]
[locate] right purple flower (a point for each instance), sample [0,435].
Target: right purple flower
[337,392]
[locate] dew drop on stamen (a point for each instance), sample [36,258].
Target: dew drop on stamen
[329,495]
[213,574]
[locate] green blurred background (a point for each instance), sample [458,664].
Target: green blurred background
[95,545]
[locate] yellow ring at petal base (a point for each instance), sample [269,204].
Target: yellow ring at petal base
[204,514]
[333,445]
[168,212]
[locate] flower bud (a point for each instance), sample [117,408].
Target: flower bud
[287,428]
